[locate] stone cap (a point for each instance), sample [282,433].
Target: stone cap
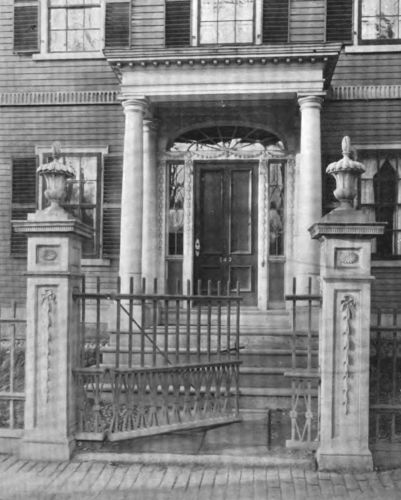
[66,226]
[347,230]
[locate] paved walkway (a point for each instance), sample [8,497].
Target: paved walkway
[21,479]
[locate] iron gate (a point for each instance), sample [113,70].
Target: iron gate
[171,362]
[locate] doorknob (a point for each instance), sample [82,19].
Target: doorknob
[197,247]
[229,259]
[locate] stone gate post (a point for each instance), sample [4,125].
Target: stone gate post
[54,271]
[345,235]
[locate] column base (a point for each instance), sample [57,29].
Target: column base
[336,462]
[36,447]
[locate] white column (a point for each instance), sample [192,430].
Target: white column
[149,234]
[309,191]
[132,194]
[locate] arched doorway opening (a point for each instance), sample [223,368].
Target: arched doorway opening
[225,183]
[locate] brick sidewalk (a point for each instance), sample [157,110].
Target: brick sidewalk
[21,479]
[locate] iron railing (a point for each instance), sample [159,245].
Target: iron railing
[162,362]
[12,371]
[304,372]
[385,377]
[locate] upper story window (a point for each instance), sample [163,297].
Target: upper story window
[226,21]
[219,22]
[57,29]
[75,25]
[380,20]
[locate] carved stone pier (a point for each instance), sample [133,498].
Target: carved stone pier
[345,236]
[54,256]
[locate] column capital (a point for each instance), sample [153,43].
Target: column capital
[150,124]
[137,104]
[310,101]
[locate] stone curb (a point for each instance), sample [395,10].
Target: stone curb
[209,460]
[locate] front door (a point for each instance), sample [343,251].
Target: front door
[226,227]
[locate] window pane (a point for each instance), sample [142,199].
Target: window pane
[75,41]
[244,10]
[75,18]
[92,18]
[58,19]
[58,41]
[89,168]
[176,209]
[58,2]
[370,7]
[226,11]
[209,10]
[89,194]
[208,33]
[244,32]
[226,32]
[369,29]
[92,40]
[389,7]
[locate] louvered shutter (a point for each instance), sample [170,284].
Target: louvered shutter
[178,23]
[275,21]
[339,21]
[117,26]
[23,193]
[26,33]
[112,183]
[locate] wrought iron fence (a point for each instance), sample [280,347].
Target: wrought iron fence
[165,362]
[12,370]
[385,377]
[304,373]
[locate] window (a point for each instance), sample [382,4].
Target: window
[70,28]
[226,21]
[380,194]
[276,209]
[83,195]
[75,26]
[380,20]
[175,208]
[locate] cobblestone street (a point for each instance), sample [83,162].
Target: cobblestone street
[89,480]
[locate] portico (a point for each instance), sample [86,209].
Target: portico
[280,94]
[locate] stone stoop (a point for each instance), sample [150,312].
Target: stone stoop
[266,349]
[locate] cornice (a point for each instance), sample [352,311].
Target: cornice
[63,98]
[222,55]
[365,92]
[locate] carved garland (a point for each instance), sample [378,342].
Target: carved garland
[48,302]
[348,306]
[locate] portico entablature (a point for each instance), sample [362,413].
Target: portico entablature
[165,77]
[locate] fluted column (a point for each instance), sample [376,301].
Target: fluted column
[132,194]
[149,235]
[309,187]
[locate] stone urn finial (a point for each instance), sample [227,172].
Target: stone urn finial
[346,173]
[56,174]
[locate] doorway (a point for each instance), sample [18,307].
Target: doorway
[225,227]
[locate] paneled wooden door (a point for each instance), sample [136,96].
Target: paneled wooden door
[225,246]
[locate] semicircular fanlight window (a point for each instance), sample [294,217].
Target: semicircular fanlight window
[226,138]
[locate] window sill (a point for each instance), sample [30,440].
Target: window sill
[95,262]
[58,56]
[372,48]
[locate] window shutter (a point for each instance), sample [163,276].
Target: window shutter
[23,202]
[112,183]
[275,21]
[178,23]
[26,33]
[118,22]
[339,21]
